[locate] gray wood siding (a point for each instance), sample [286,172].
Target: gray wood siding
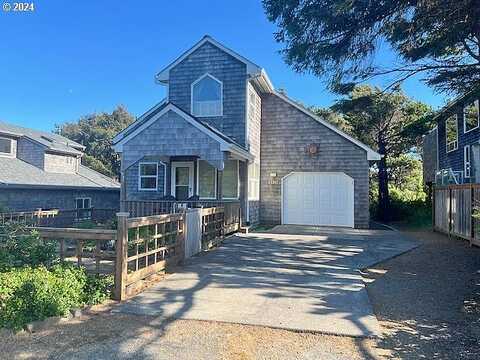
[285,133]
[232,73]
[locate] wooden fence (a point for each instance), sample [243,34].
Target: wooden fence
[141,246]
[231,208]
[59,218]
[453,207]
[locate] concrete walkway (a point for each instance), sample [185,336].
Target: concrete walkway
[297,278]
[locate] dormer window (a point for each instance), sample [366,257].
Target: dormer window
[6,147]
[207,96]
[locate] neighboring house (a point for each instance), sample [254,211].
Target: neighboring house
[455,141]
[43,170]
[224,133]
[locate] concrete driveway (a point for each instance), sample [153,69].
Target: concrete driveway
[294,277]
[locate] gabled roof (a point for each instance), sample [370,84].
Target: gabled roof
[51,141]
[459,99]
[15,173]
[371,154]
[255,71]
[226,143]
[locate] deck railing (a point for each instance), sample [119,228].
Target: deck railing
[231,208]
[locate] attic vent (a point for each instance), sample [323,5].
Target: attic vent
[46,138]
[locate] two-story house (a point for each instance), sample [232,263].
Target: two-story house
[43,170]
[224,133]
[452,149]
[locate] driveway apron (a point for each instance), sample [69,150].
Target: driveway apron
[294,277]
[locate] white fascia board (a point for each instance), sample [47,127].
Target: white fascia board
[371,154]
[163,75]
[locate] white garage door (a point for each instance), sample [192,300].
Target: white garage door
[315,198]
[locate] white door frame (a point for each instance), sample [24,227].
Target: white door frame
[282,207]
[174,165]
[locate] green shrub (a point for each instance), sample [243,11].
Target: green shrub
[20,246]
[28,294]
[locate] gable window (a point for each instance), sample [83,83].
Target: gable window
[5,146]
[207,180]
[451,133]
[147,176]
[230,180]
[83,206]
[470,116]
[467,165]
[253,181]
[207,94]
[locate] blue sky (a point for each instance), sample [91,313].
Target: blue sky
[71,58]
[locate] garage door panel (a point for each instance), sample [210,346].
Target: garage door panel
[315,198]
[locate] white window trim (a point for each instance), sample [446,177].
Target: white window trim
[198,182]
[191,179]
[446,139]
[466,149]
[238,183]
[464,118]
[12,150]
[221,95]
[140,176]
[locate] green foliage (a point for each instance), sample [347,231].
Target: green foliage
[20,246]
[438,39]
[97,289]
[96,132]
[28,294]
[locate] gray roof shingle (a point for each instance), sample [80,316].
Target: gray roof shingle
[17,173]
[53,142]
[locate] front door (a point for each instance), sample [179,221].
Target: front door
[182,180]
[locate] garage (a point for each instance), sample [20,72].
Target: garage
[318,198]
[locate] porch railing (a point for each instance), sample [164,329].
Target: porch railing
[139,208]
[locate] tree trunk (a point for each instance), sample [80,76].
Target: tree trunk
[383,196]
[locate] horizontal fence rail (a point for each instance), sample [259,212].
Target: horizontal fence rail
[92,248]
[232,210]
[453,210]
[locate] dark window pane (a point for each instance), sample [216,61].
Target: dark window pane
[181,192]
[148,183]
[148,169]
[5,146]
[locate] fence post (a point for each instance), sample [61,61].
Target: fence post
[121,247]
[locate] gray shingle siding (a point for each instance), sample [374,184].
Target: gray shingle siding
[286,132]
[31,152]
[31,199]
[224,67]
[132,178]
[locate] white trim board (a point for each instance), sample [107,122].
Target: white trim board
[371,154]
[224,145]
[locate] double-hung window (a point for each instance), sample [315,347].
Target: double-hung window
[207,96]
[467,164]
[83,206]
[451,133]
[230,180]
[207,180]
[471,117]
[147,176]
[6,146]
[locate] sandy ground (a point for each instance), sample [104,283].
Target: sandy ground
[427,302]
[103,335]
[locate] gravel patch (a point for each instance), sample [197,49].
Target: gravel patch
[119,336]
[427,301]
